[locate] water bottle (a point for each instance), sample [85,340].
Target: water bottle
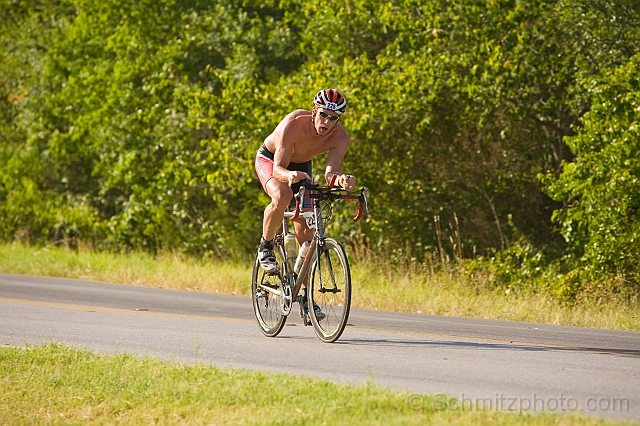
[290,247]
[302,254]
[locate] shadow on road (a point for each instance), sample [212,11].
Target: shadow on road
[488,346]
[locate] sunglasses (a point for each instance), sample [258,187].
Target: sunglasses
[323,114]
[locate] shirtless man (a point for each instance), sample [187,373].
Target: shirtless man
[284,160]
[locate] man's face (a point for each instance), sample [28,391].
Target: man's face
[325,120]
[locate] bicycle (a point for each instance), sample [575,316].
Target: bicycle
[324,269]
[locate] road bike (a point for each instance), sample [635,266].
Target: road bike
[323,269]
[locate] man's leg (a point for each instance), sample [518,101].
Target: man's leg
[304,233]
[280,194]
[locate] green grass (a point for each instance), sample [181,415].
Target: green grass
[417,289]
[55,384]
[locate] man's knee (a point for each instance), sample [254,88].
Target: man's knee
[280,195]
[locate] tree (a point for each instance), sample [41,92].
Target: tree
[601,187]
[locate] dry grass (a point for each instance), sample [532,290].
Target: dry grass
[447,292]
[168,270]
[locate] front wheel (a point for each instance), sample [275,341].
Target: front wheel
[267,295]
[330,289]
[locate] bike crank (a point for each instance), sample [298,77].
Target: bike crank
[286,301]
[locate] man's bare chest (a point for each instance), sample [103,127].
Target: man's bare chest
[305,150]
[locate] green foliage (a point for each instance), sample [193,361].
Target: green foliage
[602,185]
[106,134]
[135,125]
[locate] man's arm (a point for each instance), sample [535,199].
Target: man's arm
[334,165]
[284,137]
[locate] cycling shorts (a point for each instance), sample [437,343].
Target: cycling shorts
[264,168]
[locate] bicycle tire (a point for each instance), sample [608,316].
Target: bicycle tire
[266,305]
[330,289]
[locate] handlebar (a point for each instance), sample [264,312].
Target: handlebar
[331,192]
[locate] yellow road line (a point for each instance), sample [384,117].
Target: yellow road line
[90,308]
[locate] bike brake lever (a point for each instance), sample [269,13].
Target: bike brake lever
[364,193]
[299,198]
[301,191]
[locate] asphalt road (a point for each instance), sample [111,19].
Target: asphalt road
[496,364]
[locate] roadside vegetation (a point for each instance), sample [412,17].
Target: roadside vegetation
[55,384]
[466,290]
[502,135]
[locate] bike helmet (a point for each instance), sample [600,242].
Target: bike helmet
[332,100]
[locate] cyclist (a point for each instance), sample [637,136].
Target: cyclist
[284,161]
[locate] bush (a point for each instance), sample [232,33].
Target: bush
[601,187]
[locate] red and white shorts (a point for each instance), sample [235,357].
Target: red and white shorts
[264,169]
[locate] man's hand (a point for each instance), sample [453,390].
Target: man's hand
[296,176]
[348,182]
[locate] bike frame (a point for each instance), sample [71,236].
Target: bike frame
[314,220]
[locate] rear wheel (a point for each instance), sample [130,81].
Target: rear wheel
[330,289]
[267,295]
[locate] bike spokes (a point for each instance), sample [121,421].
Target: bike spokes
[330,290]
[269,294]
